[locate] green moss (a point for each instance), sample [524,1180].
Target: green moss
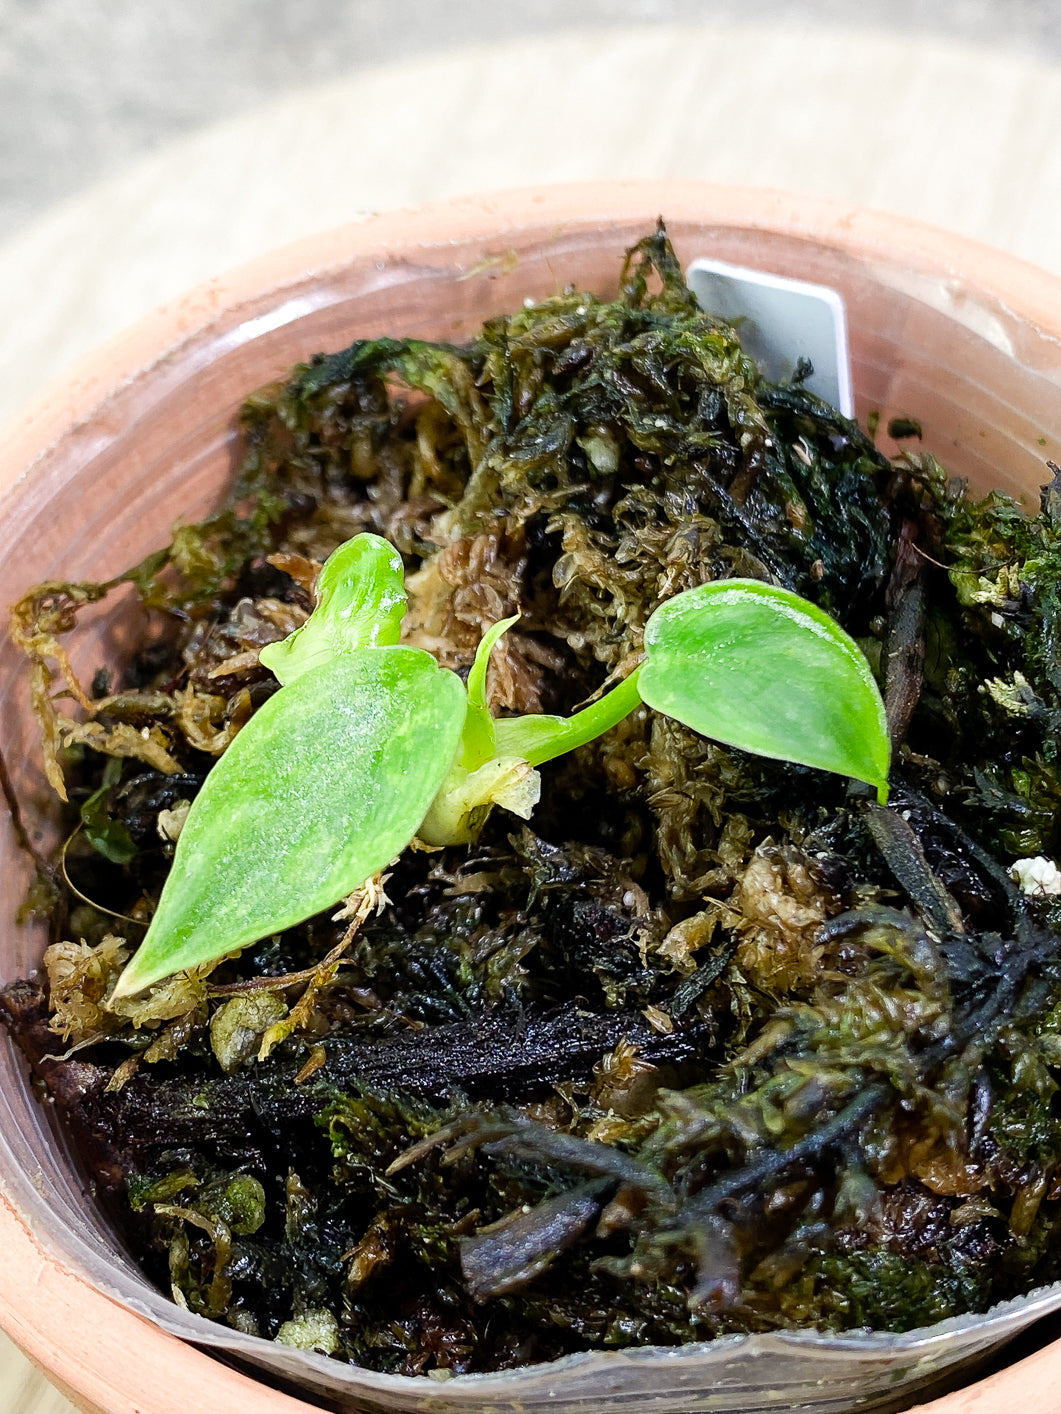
[887,1291]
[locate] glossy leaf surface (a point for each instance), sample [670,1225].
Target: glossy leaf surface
[360,604]
[759,668]
[326,783]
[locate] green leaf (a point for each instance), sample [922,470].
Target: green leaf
[759,668]
[360,604]
[479,740]
[326,783]
[106,835]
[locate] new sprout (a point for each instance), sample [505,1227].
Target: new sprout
[369,744]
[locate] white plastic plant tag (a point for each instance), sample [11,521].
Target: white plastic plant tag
[782,321]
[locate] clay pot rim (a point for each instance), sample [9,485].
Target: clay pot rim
[70,400]
[80,1337]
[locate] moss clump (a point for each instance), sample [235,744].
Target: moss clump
[718,1045]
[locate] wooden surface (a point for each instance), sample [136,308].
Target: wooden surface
[24,1390]
[958,136]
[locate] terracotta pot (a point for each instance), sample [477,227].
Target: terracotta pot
[93,474]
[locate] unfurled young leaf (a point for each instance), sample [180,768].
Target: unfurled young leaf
[757,667]
[326,783]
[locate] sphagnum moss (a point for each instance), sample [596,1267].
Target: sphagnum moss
[711,1043]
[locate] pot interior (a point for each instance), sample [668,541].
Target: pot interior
[928,342]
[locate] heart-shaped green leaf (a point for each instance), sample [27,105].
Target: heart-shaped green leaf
[759,668]
[326,783]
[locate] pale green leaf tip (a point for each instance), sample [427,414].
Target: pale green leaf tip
[130,983]
[480,737]
[148,966]
[487,644]
[361,601]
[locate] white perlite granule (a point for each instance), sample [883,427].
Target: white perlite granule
[1039,876]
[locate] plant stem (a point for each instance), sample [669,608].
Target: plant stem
[540,738]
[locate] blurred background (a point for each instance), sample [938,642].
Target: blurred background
[146,147]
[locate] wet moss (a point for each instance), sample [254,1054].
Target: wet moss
[714,1044]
